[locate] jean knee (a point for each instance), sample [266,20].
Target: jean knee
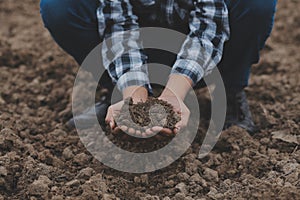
[262,10]
[53,12]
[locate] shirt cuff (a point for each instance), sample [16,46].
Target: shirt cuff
[134,78]
[189,68]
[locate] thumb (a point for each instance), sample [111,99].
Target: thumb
[109,119]
[184,120]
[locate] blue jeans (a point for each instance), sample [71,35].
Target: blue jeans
[73,25]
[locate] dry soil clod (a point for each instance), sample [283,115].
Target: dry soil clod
[145,115]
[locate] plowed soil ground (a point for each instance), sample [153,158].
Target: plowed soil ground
[41,159]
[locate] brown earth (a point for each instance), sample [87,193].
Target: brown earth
[152,112]
[40,159]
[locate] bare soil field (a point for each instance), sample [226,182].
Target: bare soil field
[41,159]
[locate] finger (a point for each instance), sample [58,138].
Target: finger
[156,129]
[138,133]
[116,131]
[108,115]
[178,125]
[124,128]
[176,130]
[131,131]
[166,131]
[112,123]
[184,121]
[109,118]
[144,135]
[149,132]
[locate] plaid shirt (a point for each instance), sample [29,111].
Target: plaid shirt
[123,56]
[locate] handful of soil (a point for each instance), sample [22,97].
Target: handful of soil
[144,115]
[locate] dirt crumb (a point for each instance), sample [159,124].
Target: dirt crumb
[153,112]
[41,159]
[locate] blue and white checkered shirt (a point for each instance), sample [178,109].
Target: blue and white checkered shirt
[201,51]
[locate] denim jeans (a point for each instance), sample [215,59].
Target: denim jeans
[73,25]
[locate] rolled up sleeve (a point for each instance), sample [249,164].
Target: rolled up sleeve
[202,50]
[122,52]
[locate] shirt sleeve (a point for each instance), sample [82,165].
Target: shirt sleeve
[122,52]
[202,50]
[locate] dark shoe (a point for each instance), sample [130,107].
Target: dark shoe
[238,112]
[86,120]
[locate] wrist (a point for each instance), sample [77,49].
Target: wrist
[137,93]
[177,85]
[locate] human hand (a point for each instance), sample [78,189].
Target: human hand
[138,94]
[178,107]
[174,93]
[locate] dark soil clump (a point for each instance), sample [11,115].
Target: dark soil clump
[143,115]
[41,159]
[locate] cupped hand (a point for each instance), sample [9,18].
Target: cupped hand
[138,94]
[174,93]
[112,112]
[179,108]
